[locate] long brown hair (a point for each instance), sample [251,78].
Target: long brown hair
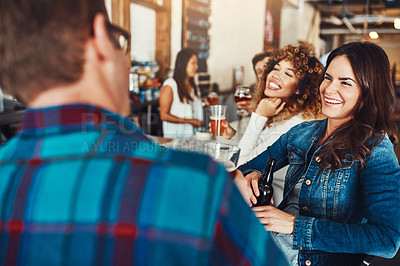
[372,113]
[180,75]
[308,70]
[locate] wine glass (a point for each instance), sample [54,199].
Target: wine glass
[242,93]
[212,98]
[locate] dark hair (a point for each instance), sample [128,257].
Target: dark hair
[308,70]
[260,56]
[372,113]
[42,43]
[181,77]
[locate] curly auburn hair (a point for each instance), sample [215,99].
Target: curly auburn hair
[308,70]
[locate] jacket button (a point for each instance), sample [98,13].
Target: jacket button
[308,262]
[301,247]
[308,182]
[305,208]
[317,159]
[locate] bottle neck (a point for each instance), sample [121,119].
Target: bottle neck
[267,175]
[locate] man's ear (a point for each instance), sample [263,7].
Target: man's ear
[102,43]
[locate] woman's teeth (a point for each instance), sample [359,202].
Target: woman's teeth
[332,101]
[273,85]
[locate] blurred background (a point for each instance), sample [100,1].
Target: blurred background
[226,35]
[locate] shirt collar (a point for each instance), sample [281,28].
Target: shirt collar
[73,117]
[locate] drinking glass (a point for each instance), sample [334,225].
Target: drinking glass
[225,153]
[217,118]
[212,98]
[242,93]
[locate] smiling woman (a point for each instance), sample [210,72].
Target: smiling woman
[287,95]
[180,103]
[339,91]
[282,81]
[342,188]
[293,75]
[358,99]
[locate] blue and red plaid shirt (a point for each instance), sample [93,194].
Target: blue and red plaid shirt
[80,185]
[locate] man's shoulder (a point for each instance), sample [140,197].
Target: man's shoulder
[152,154]
[186,163]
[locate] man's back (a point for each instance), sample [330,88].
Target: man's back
[83,186]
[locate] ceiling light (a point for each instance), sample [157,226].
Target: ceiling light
[397,23]
[373,35]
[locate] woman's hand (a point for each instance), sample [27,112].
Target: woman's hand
[249,106]
[274,219]
[229,131]
[195,122]
[269,107]
[165,100]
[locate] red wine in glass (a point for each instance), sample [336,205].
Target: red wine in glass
[242,93]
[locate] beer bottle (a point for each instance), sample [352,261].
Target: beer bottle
[265,184]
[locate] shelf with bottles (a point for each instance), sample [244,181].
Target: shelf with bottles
[144,86]
[146,94]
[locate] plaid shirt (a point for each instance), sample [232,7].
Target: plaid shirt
[80,185]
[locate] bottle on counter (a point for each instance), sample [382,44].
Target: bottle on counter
[265,184]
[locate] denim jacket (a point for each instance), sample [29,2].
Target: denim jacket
[349,210]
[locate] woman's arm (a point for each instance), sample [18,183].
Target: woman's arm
[277,150]
[166,98]
[251,144]
[250,138]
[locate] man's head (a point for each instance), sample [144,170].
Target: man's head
[44,44]
[259,61]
